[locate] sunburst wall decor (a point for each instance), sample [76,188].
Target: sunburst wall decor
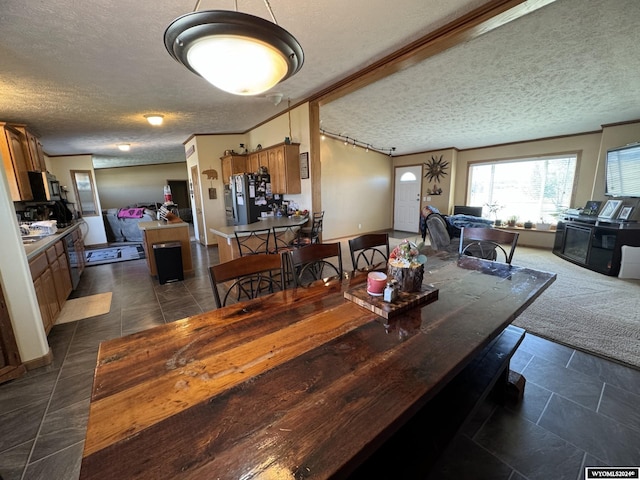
[435,168]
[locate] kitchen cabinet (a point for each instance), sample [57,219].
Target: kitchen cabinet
[256,160]
[284,168]
[232,164]
[16,162]
[51,282]
[35,158]
[10,363]
[282,161]
[45,290]
[57,258]
[78,244]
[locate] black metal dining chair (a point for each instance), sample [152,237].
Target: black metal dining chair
[253,242]
[283,241]
[312,263]
[487,242]
[369,250]
[307,235]
[246,277]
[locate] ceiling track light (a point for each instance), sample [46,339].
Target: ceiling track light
[154,119]
[356,143]
[236,52]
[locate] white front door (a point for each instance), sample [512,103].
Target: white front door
[406,211]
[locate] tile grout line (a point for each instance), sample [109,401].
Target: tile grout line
[46,410]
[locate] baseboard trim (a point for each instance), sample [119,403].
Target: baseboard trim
[39,362]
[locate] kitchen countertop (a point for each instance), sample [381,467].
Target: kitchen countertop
[158,224]
[229,232]
[35,248]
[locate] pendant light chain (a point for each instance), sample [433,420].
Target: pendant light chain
[273,17]
[289,114]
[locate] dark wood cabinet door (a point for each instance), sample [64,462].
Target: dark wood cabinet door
[10,364]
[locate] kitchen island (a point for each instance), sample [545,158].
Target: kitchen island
[161,231]
[226,236]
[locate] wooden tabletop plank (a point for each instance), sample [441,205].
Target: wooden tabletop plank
[198,371]
[309,395]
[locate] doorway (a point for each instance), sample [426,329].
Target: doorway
[180,193]
[408,188]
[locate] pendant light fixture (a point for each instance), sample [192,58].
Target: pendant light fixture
[236,52]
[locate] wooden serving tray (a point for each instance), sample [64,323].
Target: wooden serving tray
[402,303]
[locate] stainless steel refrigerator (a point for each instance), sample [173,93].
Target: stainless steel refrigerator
[251,195]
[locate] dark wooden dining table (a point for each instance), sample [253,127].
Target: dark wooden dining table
[298,384]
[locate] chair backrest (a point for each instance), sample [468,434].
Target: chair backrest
[486,242]
[246,277]
[316,226]
[254,242]
[311,263]
[438,233]
[465,210]
[369,250]
[283,239]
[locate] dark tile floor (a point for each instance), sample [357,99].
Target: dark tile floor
[578,409]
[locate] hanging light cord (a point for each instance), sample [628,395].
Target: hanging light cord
[289,114]
[266,2]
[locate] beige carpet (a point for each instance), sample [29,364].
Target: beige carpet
[85,307]
[584,309]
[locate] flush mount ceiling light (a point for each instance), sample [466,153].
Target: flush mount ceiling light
[236,52]
[154,119]
[125,147]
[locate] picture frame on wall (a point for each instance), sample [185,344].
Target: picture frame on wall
[610,208]
[304,165]
[625,213]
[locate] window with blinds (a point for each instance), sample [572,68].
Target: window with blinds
[532,189]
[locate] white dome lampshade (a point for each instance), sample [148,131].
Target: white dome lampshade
[236,52]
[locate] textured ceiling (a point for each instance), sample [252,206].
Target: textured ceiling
[567,68]
[83,74]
